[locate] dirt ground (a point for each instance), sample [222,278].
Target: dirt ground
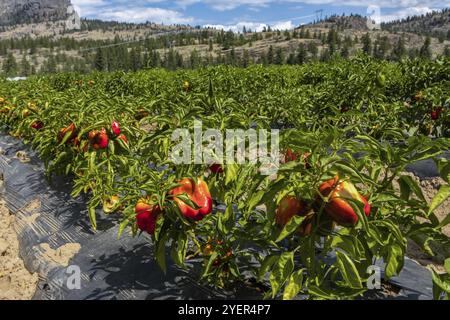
[429,189]
[16,283]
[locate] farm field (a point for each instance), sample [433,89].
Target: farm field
[348,132]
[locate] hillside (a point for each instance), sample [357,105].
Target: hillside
[436,23]
[50,47]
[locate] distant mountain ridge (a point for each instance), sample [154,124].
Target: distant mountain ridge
[435,23]
[32,11]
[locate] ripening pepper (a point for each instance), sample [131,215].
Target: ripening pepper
[418,96]
[37,125]
[288,207]
[186,86]
[216,168]
[123,138]
[338,207]
[290,155]
[110,204]
[147,215]
[99,139]
[198,193]
[62,133]
[115,128]
[436,113]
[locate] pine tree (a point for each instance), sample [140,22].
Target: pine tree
[425,51]
[245,59]
[345,51]
[194,59]
[279,57]
[291,59]
[367,44]
[99,61]
[211,45]
[302,54]
[10,65]
[25,67]
[270,55]
[399,50]
[313,49]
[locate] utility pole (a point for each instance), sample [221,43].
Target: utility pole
[317,14]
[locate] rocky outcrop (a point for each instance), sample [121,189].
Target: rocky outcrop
[32,11]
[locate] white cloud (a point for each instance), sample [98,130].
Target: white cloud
[403,13]
[223,5]
[253,26]
[156,15]
[380,3]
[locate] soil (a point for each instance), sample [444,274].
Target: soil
[430,187]
[16,283]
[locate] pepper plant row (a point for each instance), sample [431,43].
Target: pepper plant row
[340,199]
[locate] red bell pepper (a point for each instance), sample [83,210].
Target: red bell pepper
[198,193]
[147,215]
[288,207]
[99,139]
[338,207]
[115,128]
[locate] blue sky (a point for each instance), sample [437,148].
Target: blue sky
[254,14]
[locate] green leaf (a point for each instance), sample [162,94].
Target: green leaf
[439,198]
[350,244]
[211,260]
[447,265]
[231,173]
[294,285]
[441,284]
[185,198]
[66,137]
[290,227]
[444,170]
[224,222]
[122,227]
[395,260]
[348,270]
[92,217]
[315,291]
[281,272]
[413,186]
[255,199]
[267,263]
[160,253]
[270,194]
[181,248]
[111,147]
